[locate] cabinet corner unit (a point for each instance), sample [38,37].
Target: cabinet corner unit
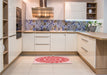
[94,53]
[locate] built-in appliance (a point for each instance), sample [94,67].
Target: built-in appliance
[43,11]
[18,23]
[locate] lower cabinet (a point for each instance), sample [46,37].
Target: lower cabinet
[58,41]
[87,49]
[42,42]
[19,45]
[28,42]
[49,42]
[15,48]
[12,48]
[71,42]
[1,55]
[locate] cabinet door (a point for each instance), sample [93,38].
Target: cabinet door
[12,48]
[28,42]
[12,17]
[58,42]
[92,52]
[1,10]
[75,10]
[71,42]
[19,45]
[1,55]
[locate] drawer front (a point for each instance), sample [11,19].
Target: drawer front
[84,40]
[42,40]
[84,52]
[42,34]
[42,47]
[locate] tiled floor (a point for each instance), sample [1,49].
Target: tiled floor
[24,66]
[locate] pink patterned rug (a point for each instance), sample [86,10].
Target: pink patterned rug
[52,59]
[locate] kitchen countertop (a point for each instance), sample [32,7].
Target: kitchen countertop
[96,35]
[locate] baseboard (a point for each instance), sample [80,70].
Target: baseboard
[49,53]
[91,67]
[10,64]
[101,71]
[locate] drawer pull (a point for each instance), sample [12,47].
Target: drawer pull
[42,36]
[84,49]
[84,40]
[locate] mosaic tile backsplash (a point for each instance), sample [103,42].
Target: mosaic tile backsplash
[48,25]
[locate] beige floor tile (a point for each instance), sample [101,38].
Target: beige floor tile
[25,66]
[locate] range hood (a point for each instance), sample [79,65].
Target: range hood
[43,11]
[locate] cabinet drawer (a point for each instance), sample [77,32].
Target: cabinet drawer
[42,40]
[42,47]
[84,39]
[42,34]
[84,51]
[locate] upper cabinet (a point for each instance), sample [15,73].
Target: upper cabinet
[91,10]
[75,10]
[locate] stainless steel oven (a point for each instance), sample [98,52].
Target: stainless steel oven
[18,23]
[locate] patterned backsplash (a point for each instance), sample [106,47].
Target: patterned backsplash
[48,25]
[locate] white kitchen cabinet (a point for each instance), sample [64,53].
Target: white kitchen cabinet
[12,48]
[42,42]
[71,42]
[58,7]
[1,16]
[1,61]
[87,48]
[1,55]
[19,45]
[58,41]
[75,10]
[12,17]
[28,42]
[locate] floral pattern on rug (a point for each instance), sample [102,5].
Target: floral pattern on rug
[52,59]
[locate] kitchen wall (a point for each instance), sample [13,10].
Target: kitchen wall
[19,3]
[57,4]
[100,13]
[100,9]
[105,16]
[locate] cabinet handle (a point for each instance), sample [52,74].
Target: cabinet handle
[12,35]
[84,49]
[85,40]
[42,36]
